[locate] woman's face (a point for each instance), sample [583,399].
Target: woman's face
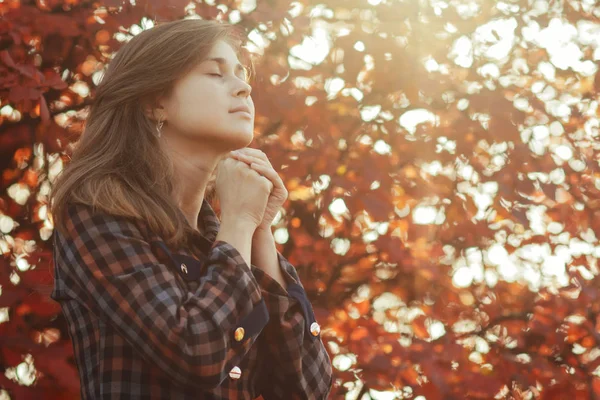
[202,103]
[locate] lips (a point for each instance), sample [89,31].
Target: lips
[241,108]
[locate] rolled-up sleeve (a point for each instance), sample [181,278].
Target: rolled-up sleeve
[194,337]
[297,362]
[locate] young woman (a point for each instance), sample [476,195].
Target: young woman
[164,300]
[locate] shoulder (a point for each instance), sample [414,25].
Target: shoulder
[81,218]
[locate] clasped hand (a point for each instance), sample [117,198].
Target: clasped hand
[259,162]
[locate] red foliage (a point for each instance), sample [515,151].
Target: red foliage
[427,285]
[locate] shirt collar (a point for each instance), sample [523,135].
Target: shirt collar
[209,220]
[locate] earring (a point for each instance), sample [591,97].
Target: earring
[159,127]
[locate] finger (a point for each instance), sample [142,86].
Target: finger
[260,175]
[249,159]
[254,153]
[265,170]
[240,153]
[269,173]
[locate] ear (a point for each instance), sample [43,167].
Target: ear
[154,111]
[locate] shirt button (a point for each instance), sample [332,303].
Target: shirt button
[239,334]
[315,329]
[235,373]
[184,268]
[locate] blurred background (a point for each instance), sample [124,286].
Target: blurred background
[441,158]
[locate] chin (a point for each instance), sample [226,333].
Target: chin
[241,139]
[250,138]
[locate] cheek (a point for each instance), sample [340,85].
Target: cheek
[200,89]
[198,111]
[203,93]
[200,102]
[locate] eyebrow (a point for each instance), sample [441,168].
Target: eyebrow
[222,61]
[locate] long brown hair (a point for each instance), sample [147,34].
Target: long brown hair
[117,166]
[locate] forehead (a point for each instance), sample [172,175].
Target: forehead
[222,49]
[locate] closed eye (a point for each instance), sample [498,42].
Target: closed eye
[214,74]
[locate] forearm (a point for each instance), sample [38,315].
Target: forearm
[239,235]
[264,255]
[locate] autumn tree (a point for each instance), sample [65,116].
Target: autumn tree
[442,162]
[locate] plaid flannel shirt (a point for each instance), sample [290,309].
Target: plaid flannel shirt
[146,322]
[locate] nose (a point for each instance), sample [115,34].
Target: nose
[243,88]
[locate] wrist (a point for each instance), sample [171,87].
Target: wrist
[261,237]
[262,234]
[264,230]
[242,224]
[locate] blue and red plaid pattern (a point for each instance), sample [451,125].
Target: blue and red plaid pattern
[147,322]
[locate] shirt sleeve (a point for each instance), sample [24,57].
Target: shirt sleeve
[297,362]
[194,337]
